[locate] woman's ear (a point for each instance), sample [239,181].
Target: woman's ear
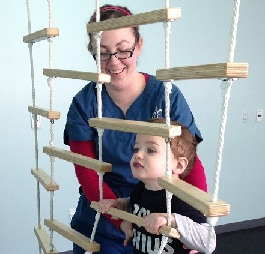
[139,46]
[179,165]
[90,50]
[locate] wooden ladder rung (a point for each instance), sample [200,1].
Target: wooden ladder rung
[140,127]
[53,115]
[72,235]
[207,71]
[136,20]
[89,76]
[44,179]
[41,35]
[166,230]
[195,197]
[44,240]
[78,159]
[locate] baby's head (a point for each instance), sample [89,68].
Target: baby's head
[181,146]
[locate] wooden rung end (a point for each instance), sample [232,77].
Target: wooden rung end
[44,240]
[44,179]
[195,197]
[53,115]
[72,235]
[41,35]
[136,20]
[78,159]
[89,76]
[166,230]
[140,127]
[207,71]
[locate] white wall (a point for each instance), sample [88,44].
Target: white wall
[201,36]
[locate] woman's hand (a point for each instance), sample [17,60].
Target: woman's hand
[105,204]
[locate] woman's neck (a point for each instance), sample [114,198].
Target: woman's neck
[124,98]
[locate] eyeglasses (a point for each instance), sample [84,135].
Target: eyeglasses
[123,54]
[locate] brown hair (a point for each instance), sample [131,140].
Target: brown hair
[181,146]
[109,11]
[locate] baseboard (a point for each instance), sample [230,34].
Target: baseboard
[240,225]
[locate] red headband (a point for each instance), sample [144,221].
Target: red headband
[111,8]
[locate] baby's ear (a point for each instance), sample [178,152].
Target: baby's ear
[179,165]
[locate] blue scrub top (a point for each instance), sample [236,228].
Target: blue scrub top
[118,146]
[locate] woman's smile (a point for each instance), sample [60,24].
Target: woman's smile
[115,72]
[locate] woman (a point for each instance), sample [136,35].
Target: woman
[130,95]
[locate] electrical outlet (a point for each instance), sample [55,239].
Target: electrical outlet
[259,115]
[244,116]
[71,213]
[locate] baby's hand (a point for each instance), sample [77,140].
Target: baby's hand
[154,221]
[192,251]
[126,227]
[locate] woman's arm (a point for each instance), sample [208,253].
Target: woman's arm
[197,176]
[88,178]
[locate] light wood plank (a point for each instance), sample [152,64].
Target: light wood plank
[136,20]
[72,235]
[78,159]
[44,179]
[166,230]
[52,115]
[41,35]
[140,127]
[89,76]
[195,197]
[44,240]
[207,71]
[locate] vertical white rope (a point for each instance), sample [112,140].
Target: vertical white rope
[50,83]
[234,31]
[167,27]
[168,194]
[168,87]
[30,47]
[98,39]
[211,222]
[226,87]
[226,91]
[167,4]
[28,15]
[99,84]
[50,12]
[100,131]
[100,174]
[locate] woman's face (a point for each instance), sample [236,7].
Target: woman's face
[120,70]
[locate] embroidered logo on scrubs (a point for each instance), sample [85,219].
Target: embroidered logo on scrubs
[157,113]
